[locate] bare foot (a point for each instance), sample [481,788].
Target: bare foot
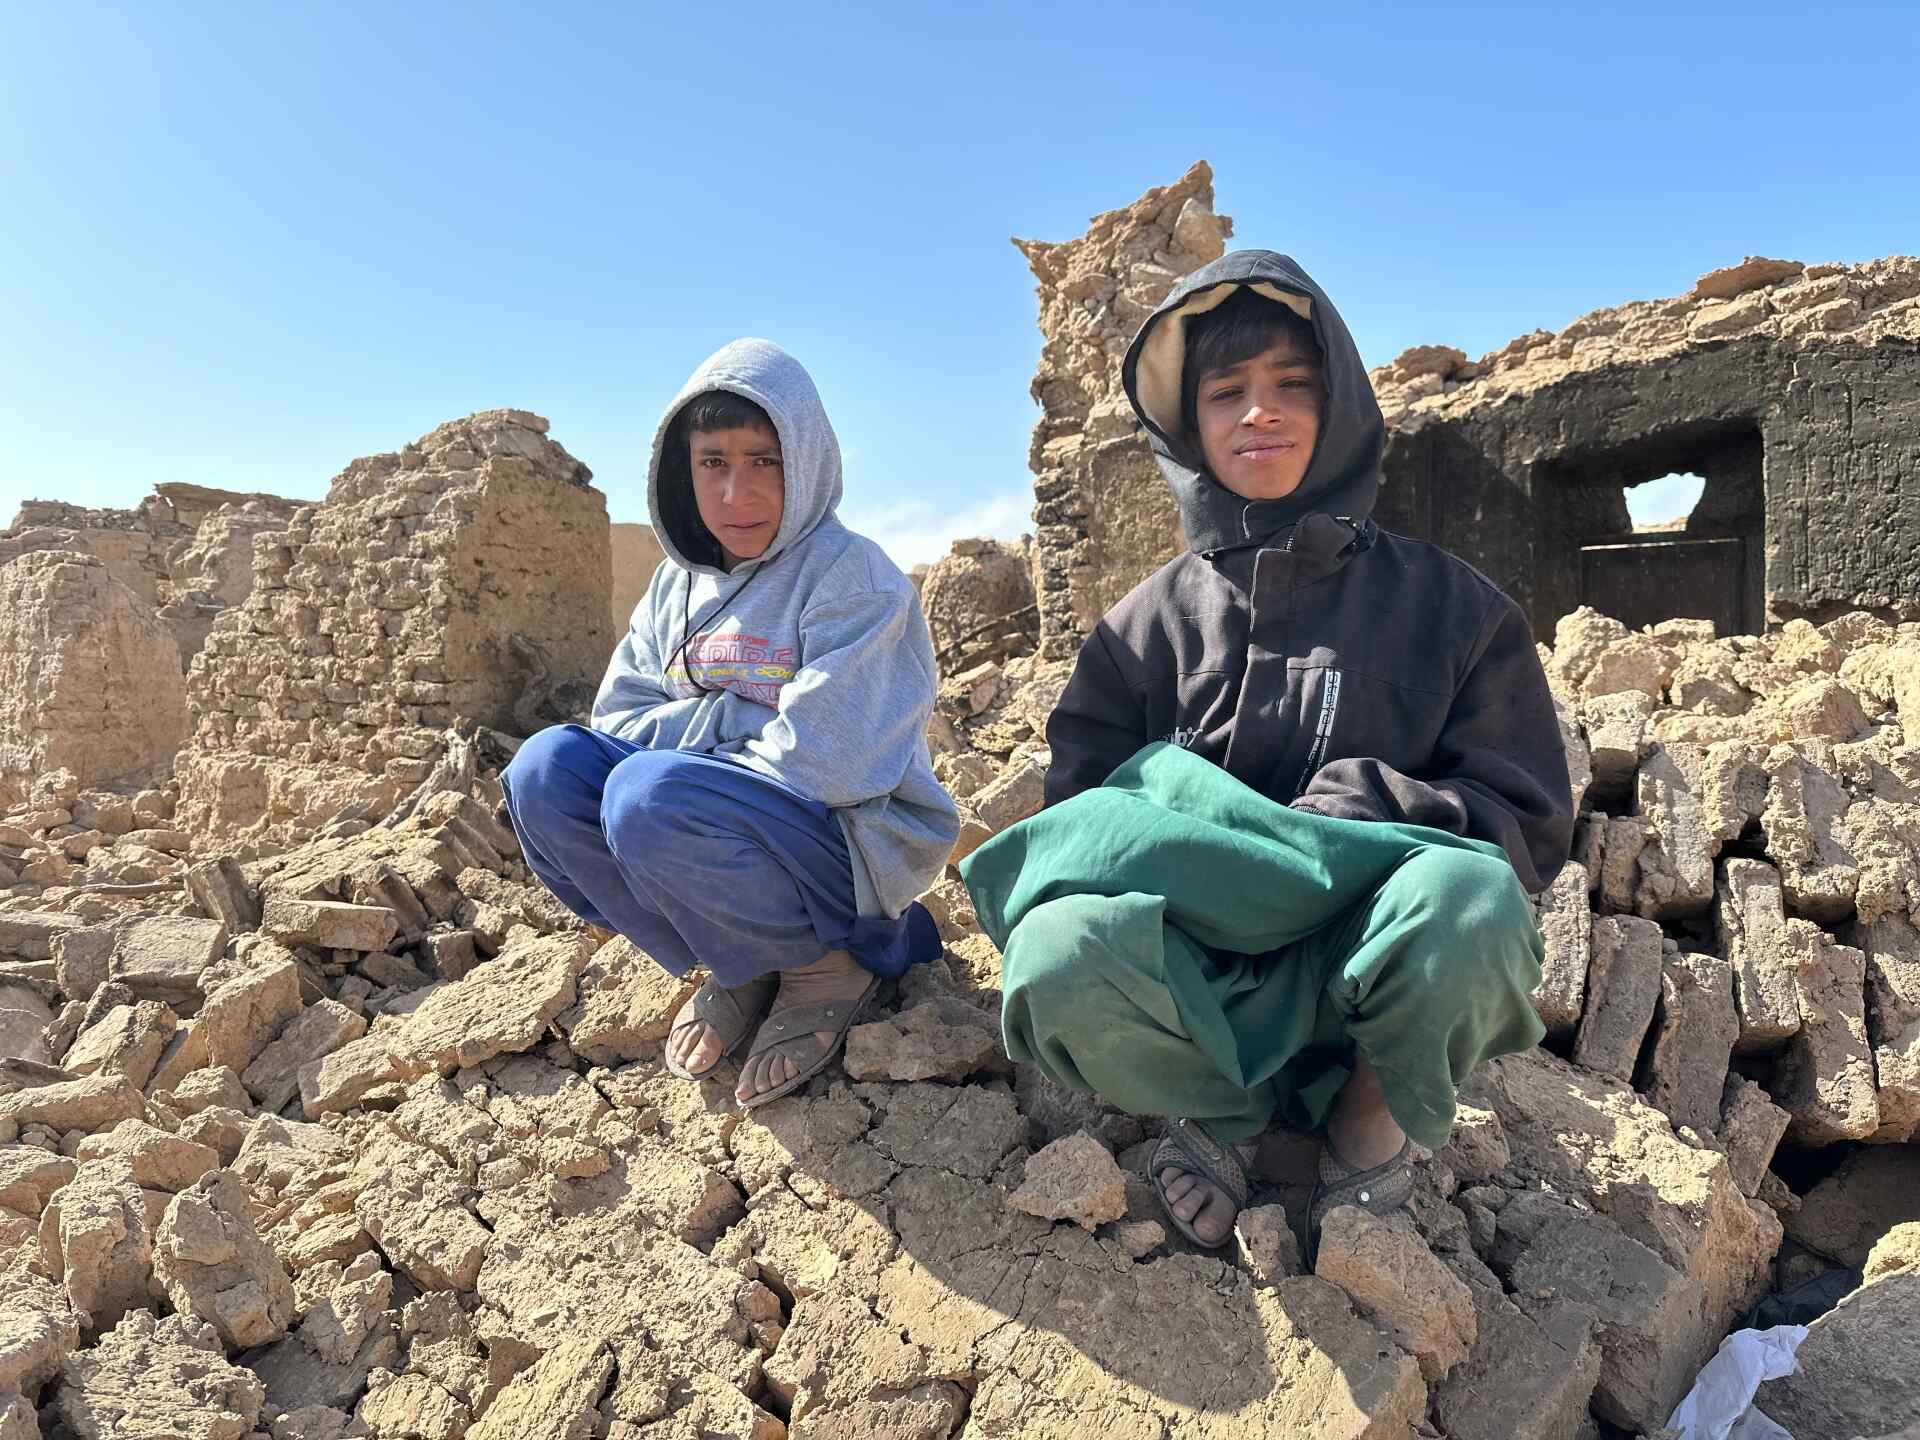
[1199,1203]
[693,1044]
[834,976]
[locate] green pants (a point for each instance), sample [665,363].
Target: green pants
[1183,945]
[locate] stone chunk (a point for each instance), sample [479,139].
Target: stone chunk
[1624,987]
[1391,1274]
[220,889]
[1753,273]
[342,1079]
[158,1377]
[1015,794]
[161,957]
[1752,924]
[159,1161]
[1073,1179]
[1566,925]
[1264,1240]
[82,960]
[29,1176]
[1805,828]
[1694,1029]
[329,924]
[627,1004]
[1892,947]
[559,1396]
[1825,1077]
[500,1007]
[925,1043]
[1529,1376]
[1875,1190]
[1477,1150]
[38,1328]
[274,1077]
[29,934]
[1649,1317]
[238,1021]
[1682,883]
[94,1234]
[127,1041]
[214,1265]
[84,1104]
[1859,1367]
[1750,1128]
[1617,735]
[418,1219]
[1600,1143]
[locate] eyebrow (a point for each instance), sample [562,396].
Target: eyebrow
[710,448]
[1297,362]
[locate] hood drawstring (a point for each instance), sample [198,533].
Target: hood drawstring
[693,632]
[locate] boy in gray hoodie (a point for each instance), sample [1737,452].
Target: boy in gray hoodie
[754,794]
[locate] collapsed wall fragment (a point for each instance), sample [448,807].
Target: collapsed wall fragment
[465,576]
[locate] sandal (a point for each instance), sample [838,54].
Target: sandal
[730,1014]
[1384,1188]
[1188,1148]
[800,1023]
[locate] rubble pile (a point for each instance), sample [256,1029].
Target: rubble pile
[370,1137]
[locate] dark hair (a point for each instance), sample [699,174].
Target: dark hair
[1240,327]
[679,512]
[723,410]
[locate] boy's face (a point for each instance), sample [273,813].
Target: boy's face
[1258,421]
[739,487]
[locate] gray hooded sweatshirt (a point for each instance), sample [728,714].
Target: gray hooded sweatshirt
[810,664]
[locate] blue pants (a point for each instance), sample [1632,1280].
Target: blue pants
[696,860]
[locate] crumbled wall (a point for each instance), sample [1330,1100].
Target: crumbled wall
[1103,515]
[376,619]
[89,681]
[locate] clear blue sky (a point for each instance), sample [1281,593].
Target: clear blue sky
[242,244]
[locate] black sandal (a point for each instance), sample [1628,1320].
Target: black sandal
[1188,1148]
[1380,1190]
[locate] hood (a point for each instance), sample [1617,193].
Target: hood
[1344,475]
[762,372]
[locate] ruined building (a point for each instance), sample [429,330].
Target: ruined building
[185,551]
[379,617]
[1785,386]
[1788,388]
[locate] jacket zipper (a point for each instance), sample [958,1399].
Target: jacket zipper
[1329,711]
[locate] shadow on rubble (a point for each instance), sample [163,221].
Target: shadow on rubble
[905,1184]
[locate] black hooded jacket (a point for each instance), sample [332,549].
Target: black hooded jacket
[1320,660]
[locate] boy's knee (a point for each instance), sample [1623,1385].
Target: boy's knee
[1475,894]
[545,760]
[650,794]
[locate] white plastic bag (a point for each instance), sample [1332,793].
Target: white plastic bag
[1720,1405]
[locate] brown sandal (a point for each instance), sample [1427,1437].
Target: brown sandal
[730,1014]
[802,1022]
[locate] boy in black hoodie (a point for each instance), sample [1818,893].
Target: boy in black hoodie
[1335,673]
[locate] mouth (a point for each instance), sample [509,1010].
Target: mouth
[1260,451]
[747,529]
